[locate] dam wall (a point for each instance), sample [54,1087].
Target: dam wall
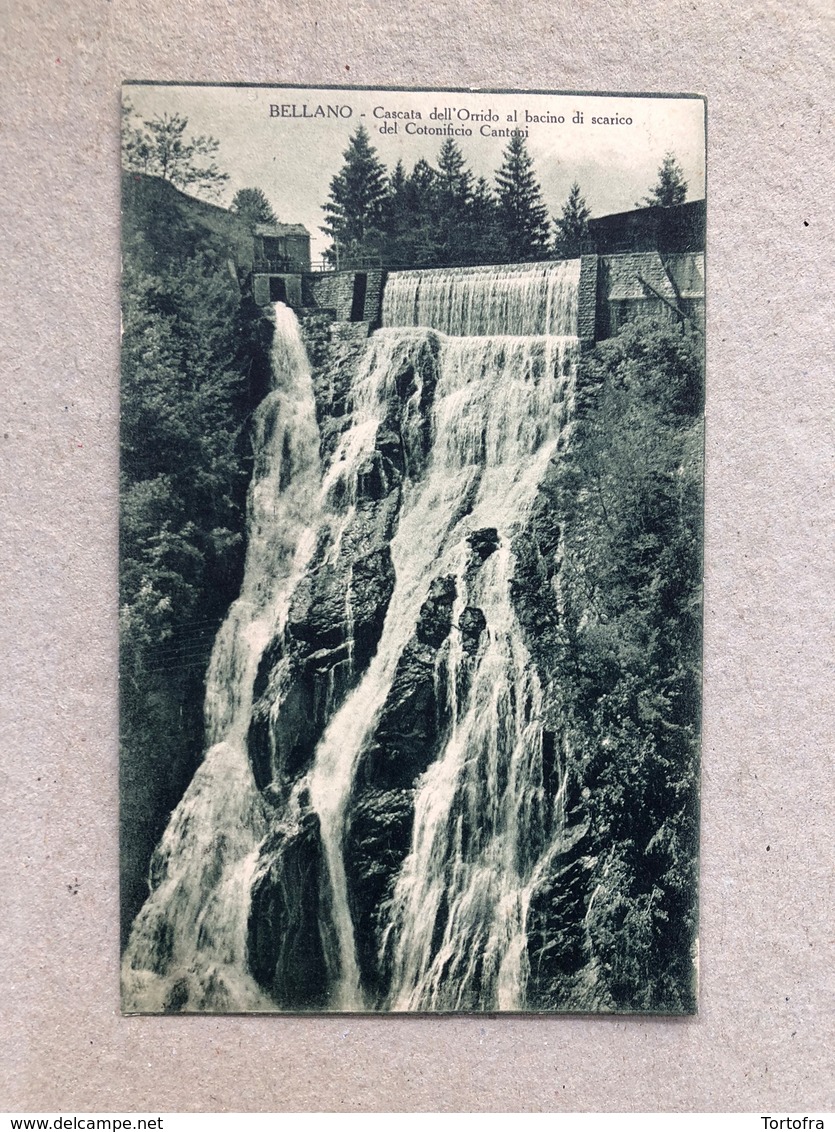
[646,262]
[612,290]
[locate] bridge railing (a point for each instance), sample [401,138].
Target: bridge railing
[279,265]
[376,264]
[361,263]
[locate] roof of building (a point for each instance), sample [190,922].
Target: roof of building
[648,215]
[278,230]
[680,228]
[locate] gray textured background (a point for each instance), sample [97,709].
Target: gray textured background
[763,1039]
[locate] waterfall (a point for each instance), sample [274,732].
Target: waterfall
[187,948]
[469,385]
[474,827]
[500,406]
[516,299]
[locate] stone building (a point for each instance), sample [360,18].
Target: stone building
[279,248]
[650,262]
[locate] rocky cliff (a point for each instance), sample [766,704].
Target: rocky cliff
[472,712]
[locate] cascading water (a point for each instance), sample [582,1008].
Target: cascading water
[188,944]
[468,389]
[517,299]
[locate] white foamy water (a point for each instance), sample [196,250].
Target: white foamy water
[189,939]
[500,406]
[502,342]
[515,299]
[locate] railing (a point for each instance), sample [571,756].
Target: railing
[282,265]
[361,263]
[371,264]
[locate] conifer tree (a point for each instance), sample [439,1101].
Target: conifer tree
[397,180]
[671,187]
[397,224]
[253,207]
[454,197]
[571,226]
[521,212]
[482,225]
[454,178]
[355,209]
[421,196]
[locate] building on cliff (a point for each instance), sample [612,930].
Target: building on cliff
[281,247]
[264,248]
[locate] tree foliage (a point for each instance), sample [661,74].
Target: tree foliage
[670,188]
[572,225]
[619,538]
[520,210]
[190,343]
[253,207]
[434,216]
[356,202]
[159,146]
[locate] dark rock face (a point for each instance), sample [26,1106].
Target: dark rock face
[415,383]
[285,949]
[409,736]
[557,948]
[484,542]
[333,626]
[376,844]
[406,740]
[332,630]
[435,618]
[471,625]
[334,351]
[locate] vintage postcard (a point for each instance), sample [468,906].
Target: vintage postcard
[411,549]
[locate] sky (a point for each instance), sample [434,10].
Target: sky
[269,141]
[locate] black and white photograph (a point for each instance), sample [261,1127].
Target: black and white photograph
[411,541]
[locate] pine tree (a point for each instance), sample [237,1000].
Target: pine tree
[421,199]
[521,212]
[397,225]
[671,188]
[454,178]
[482,225]
[355,209]
[571,226]
[253,207]
[454,197]
[397,180]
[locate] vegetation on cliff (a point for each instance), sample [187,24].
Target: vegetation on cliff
[159,146]
[192,350]
[609,588]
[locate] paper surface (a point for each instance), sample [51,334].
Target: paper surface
[762,1037]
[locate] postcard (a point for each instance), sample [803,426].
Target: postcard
[411,549]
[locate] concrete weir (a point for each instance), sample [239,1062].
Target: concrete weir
[613,290]
[646,262]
